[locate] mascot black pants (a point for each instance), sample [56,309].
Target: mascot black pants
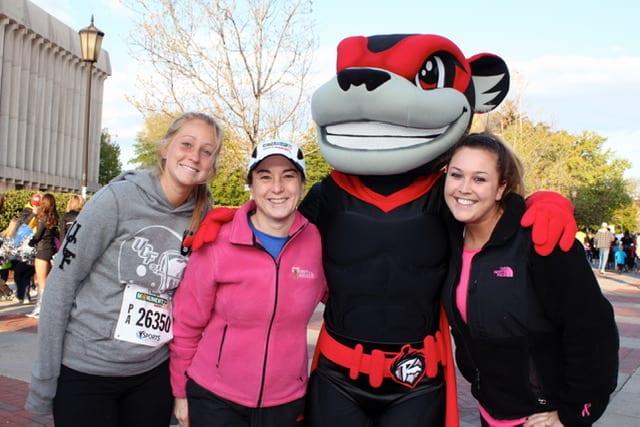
[335,400]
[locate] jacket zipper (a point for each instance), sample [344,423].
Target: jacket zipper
[273,313]
[224,336]
[273,316]
[266,346]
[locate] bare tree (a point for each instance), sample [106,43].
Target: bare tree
[245,61]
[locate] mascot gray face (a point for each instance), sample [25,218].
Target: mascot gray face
[399,101]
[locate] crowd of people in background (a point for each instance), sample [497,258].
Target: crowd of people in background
[17,255]
[29,243]
[618,252]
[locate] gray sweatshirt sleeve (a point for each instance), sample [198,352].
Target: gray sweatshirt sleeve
[97,226]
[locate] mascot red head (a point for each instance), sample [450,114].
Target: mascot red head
[397,102]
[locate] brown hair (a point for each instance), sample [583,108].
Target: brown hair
[201,191]
[47,210]
[509,165]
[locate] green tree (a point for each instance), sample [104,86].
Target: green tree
[228,188]
[145,148]
[576,165]
[110,164]
[605,201]
[626,218]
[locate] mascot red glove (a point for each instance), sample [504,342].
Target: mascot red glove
[551,216]
[209,228]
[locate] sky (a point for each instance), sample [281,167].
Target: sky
[574,64]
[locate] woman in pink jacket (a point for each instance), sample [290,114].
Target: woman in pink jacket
[239,352]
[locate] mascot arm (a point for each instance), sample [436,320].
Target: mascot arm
[550,215]
[209,227]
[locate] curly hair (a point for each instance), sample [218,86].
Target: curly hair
[48,211]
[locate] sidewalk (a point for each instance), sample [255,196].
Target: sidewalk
[18,340]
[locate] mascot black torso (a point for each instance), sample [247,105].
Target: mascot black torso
[395,106]
[380,262]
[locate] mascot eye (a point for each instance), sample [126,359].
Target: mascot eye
[432,73]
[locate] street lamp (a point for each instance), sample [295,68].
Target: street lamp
[90,44]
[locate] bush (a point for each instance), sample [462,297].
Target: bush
[15,201]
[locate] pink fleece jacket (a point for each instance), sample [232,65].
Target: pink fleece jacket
[240,317]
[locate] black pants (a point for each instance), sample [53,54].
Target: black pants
[142,400]
[208,410]
[334,400]
[22,275]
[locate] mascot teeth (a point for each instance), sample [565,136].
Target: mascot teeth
[378,135]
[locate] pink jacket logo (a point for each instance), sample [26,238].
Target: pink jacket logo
[301,273]
[504,272]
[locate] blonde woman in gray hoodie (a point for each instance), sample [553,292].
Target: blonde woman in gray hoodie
[106,313]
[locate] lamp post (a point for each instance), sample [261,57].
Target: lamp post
[90,44]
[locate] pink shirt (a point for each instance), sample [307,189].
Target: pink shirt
[463,285]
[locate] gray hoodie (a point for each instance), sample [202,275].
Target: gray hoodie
[127,233]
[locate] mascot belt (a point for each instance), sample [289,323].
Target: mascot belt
[406,367]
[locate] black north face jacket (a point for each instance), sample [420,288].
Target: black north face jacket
[540,335]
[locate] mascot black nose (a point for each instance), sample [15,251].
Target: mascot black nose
[372,79]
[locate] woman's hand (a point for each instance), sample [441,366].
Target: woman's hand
[541,419]
[181,411]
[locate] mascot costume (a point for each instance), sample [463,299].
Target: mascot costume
[395,106]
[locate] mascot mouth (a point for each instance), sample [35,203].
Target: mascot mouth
[372,135]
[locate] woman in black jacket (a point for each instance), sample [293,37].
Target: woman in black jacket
[534,335]
[45,240]
[74,206]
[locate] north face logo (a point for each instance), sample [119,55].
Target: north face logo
[503,272]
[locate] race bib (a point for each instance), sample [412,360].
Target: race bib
[145,317]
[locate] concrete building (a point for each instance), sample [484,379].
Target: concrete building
[43,85]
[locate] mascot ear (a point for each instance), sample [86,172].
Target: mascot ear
[490,80]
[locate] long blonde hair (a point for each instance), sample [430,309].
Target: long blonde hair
[203,198]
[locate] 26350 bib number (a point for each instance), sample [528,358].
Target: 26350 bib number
[150,318]
[145,317]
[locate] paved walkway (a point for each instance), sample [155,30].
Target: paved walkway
[17,345]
